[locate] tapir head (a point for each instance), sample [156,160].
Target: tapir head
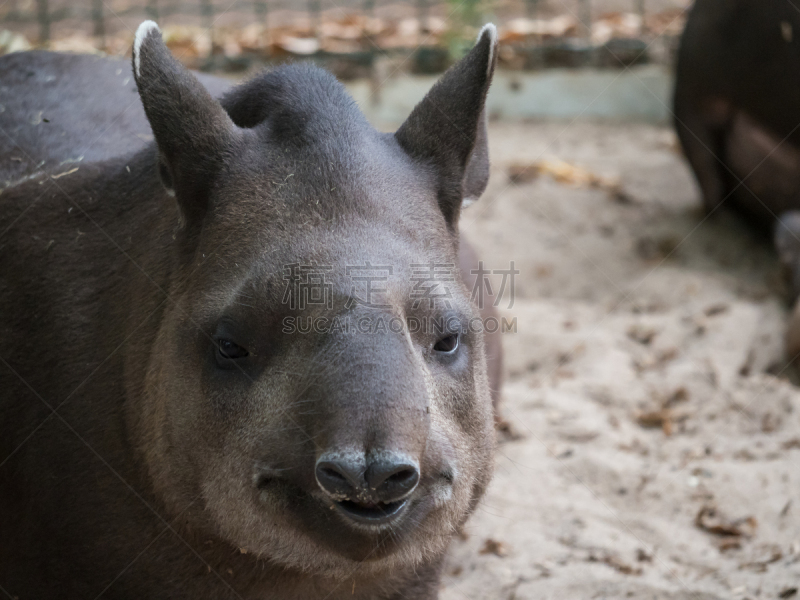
[316,393]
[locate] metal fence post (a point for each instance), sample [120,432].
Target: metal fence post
[99,24]
[207,10]
[422,11]
[640,9]
[44,21]
[152,9]
[369,8]
[313,16]
[585,12]
[260,7]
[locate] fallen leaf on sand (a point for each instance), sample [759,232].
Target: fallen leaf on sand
[643,555]
[717,309]
[614,561]
[566,173]
[710,520]
[729,543]
[760,566]
[676,397]
[655,360]
[788,593]
[491,546]
[642,334]
[658,248]
[662,419]
[507,431]
[665,417]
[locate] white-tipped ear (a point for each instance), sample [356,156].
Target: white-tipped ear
[447,130]
[141,35]
[193,132]
[490,30]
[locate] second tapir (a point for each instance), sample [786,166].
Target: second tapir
[737,114]
[162,434]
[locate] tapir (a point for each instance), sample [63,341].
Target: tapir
[737,115]
[737,104]
[210,385]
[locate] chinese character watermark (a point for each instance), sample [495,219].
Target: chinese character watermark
[365,293]
[428,281]
[306,285]
[483,286]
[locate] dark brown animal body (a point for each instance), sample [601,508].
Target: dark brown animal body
[737,104]
[167,427]
[737,114]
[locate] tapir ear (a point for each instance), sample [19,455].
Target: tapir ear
[448,128]
[193,132]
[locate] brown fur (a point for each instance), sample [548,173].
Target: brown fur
[737,100]
[138,463]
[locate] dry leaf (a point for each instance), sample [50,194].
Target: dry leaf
[717,309]
[614,561]
[729,543]
[491,546]
[661,419]
[520,30]
[641,334]
[616,25]
[507,431]
[760,566]
[643,555]
[710,520]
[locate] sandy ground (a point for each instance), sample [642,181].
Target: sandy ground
[625,309]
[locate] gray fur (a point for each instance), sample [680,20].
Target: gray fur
[164,474]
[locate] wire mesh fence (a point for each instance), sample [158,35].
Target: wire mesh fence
[233,34]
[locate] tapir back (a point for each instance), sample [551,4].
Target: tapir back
[61,110]
[737,104]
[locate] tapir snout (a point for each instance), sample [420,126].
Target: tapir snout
[368,487]
[371,426]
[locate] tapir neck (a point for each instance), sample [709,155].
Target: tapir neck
[135,218]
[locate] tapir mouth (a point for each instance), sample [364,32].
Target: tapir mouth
[371,513]
[356,510]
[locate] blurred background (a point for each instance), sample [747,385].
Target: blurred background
[651,435]
[380,40]
[230,35]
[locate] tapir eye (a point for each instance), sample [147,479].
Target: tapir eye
[447,344]
[227,349]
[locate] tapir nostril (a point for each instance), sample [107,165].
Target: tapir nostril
[340,478]
[392,481]
[352,477]
[333,474]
